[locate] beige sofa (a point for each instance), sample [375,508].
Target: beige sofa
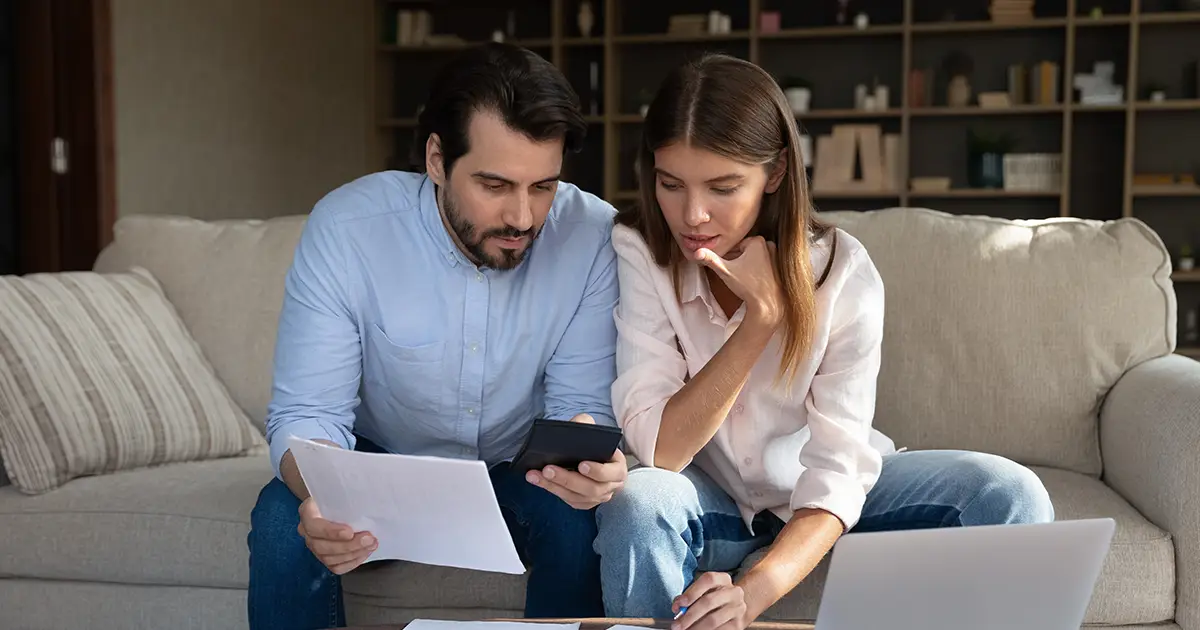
[1047,342]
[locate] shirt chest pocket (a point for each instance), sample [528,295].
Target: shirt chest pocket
[410,374]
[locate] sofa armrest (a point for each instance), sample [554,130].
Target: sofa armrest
[1150,436]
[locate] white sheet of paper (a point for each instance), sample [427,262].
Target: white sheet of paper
[429,510]
[430,624]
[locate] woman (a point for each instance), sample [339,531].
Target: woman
[748,351]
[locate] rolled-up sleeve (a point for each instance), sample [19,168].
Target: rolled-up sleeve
[841,465]
[650,368]
[318,355]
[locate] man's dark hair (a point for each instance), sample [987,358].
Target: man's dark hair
[528,93]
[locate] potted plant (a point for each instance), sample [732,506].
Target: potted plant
[958,67]
[798,92]
[1187,261]
[985,157]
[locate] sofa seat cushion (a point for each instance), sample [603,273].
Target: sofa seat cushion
[179,524]
[407,586]
[1136,585]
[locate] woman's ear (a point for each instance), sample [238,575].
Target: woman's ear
[434,160]
[778,170]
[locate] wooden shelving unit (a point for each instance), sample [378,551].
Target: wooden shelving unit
[1103,146]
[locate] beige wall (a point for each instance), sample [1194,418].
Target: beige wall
[237,108]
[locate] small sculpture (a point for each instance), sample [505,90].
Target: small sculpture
[586,18]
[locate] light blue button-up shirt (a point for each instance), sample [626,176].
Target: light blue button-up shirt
[389,332]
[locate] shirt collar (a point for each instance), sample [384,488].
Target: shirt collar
[431,217]
[694,286]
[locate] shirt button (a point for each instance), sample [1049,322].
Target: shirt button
[747,461]
[474,347]
[739,409]
[478,277]
[756,493]
[471,410]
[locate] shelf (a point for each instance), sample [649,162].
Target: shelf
[1082,108]
[1192,353]
[835,114]
[1179,104]
[987,25]
[1167,190]
[1013,110]
[628,118]
[625,195]
[1185,276]
[583,41]
[593,120]
[983,193]
[1170,17]
[1084,21]
[668,38]
[545,42]
[834,31]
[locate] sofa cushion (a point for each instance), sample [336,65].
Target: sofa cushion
[226,280]
[180,524]
[1136,585]
[99,374]
[1004,336]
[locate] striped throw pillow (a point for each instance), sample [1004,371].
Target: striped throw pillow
[99,374]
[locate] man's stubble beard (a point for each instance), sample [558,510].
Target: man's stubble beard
[466,233]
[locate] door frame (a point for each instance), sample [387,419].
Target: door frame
[64,90]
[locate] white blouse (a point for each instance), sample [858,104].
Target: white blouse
[812,448]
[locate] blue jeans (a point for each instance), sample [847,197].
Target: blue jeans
[665,527]
[290,588]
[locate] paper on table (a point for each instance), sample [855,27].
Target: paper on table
[429,510]
[429,624]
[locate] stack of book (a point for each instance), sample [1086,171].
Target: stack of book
[1011,10]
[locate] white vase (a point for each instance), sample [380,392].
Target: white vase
[586,18]
[643,110]
[799,99]
[1187,264]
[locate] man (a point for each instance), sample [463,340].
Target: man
[439,313]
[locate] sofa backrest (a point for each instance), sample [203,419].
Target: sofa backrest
[1000,336]
[1004,336]
[226,280]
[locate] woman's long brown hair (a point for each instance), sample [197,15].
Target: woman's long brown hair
[735,109]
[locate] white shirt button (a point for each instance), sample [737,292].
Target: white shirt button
[474,347]
[756,493]
[478,277]
[739,409]
[747,461]
[471,410]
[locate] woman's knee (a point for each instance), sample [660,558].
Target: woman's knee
[1005,492]
[650,495]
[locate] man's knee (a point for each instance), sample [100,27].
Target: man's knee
[274,521]
[1005,492]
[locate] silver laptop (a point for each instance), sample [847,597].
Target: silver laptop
[994,577]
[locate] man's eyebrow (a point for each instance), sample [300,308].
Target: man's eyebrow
[500,178]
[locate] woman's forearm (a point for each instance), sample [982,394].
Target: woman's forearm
[693,415]
[807,537]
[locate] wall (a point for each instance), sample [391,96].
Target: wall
[237,108]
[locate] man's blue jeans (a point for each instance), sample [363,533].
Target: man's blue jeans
[290,588]
[665,527]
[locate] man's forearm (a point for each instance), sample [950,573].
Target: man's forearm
[291,472]
[807,537]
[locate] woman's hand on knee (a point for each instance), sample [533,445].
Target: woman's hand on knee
[713,602]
